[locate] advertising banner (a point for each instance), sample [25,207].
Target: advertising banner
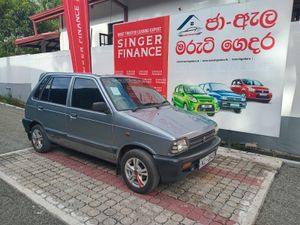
[228,62]
[141,50]
[225,62]
[77,21]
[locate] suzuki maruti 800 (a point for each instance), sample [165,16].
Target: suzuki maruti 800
[121,120]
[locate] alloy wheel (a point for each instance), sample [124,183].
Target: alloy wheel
[136,172]
[37,139]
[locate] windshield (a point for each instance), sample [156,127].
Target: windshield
[131,93]
[193,90]
[252,82]
[219,87]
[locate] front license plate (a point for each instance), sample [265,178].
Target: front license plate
[206,159]
[235,105]
[263,95]
[206,106]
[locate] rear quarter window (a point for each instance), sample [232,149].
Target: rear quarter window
[40,87]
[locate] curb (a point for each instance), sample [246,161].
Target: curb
[272,162]
[250,217]
[12,106]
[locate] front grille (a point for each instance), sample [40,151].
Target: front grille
[260,91]
[232,99]
[259,96]
[196,141]
[202,108]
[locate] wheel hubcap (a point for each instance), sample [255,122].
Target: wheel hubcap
[37,139]
[136,172]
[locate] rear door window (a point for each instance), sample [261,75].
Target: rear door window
[59,90]
[56,90]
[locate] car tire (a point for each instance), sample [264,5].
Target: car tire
[210,114]
[39,139]
[139,171]
[266,101]
[237,110]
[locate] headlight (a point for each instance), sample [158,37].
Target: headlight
[251,89]
[224,98]
[193,99]
[179,146]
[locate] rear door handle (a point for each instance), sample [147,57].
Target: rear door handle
[40,108]
[73,116]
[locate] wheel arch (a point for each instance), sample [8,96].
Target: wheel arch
[31,125]
[128,147]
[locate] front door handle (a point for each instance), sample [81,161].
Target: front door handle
[40,108]
[73,116]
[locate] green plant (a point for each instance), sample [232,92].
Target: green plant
[8,99]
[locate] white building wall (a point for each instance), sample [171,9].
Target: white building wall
[26,69]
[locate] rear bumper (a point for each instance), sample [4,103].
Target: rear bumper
[170,168]
[26,124]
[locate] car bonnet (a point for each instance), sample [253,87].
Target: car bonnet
[176,122]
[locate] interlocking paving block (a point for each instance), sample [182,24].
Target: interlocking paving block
[230,190]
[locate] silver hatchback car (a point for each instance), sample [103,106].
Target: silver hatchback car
[121,120]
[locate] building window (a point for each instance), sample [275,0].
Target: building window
[107,39]
[296,11]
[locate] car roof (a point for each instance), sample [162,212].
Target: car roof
[82,74]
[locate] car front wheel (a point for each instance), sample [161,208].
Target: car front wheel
[139,171]
[39,139]
[237,110]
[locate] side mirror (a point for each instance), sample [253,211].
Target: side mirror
[182,93]
[100,107]
[207,90]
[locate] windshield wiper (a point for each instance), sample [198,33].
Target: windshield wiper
[143,106]
[163,103]
[146,105]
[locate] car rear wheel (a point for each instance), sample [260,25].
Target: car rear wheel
[139,171]
[39,139]
[210,114]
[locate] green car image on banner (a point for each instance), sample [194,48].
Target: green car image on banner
[192,98]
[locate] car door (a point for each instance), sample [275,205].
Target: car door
[51,107]
[237,87]
[89,131]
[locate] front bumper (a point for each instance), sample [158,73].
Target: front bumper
[170,168]
[260,96]
[232,105]
[202,107]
